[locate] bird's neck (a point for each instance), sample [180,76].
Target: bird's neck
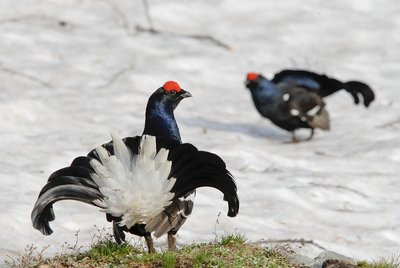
[267,97]
[266,91]
[160,121]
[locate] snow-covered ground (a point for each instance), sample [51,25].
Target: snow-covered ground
[72,71]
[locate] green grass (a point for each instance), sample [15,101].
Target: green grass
[228,251]
[393,262]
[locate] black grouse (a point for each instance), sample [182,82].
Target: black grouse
[144,184]
[293,98]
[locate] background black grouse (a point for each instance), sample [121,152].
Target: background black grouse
[293,99]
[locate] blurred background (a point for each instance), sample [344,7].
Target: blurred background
[73,71]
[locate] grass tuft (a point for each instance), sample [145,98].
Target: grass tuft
[392,262]
[228,251]
[235,239]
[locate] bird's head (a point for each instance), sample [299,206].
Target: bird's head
[169,95]
[252,80]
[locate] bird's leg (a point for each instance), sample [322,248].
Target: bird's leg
[171,242]
[149,242]
[294,139]
[311,135]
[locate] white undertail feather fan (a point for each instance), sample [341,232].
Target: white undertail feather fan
[141,181]
[137,181]
[320,119]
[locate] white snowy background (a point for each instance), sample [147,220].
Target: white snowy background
[73,71]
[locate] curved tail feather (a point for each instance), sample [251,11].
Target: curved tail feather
[70,183]
[218,180]
[356,88]
[203,169]
[75,175]
[42,212]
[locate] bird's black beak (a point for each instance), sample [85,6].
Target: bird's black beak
[185,94]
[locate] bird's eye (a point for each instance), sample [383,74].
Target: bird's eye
[173,92]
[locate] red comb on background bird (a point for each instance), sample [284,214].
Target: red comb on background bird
[172,85]
[252,76]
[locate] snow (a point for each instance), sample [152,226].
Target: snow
[73,71]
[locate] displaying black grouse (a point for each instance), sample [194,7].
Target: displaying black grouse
[293,98]
[142,183]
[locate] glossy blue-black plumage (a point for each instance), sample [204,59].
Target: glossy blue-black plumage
[288,105]
[160,119]
[190,167]
[267,96]
[324,85]
[293,98]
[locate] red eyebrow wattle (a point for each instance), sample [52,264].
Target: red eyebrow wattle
[172,85]
[252,76]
